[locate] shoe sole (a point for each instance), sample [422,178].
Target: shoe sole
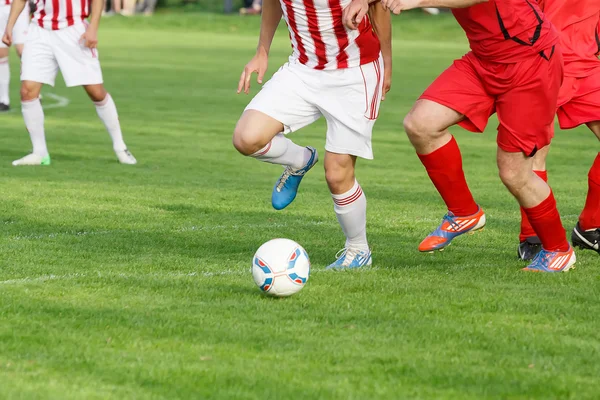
[471,232]
[570,266]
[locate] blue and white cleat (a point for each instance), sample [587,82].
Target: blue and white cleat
[552,261]
[286,188]
[352,258]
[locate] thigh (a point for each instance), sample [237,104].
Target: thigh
[526,111]
[349,99]
[583,106]
[79,65]
[461,89]
[38,63]
[283,98]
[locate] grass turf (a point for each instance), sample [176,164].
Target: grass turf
[133,282]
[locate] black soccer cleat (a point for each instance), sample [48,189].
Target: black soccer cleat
[586,240]
[529,248]
[4,107]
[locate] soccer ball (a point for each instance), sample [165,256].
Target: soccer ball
[280,267]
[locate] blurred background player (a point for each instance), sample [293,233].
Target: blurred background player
[60,38]
[19,34]
[332,72]
[578,104]
[515,69]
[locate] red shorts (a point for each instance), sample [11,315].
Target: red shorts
[523,94]
[579,101]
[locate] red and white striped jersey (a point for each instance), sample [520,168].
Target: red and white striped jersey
[321,41]
[60,14]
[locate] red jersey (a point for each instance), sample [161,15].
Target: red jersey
[60,14]
[577,22]
[507,31]
[321,41]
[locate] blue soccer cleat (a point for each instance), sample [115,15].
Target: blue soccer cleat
[552,261]
[286,188]
[352,258]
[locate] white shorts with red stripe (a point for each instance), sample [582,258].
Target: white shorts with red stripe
[20,28]
[46,52]
[348,98]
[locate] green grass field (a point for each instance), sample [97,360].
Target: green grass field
[134,282]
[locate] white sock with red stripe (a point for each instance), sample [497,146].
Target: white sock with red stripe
[107,111]
[281,150]
[4,80]
[33,114]
[351,211]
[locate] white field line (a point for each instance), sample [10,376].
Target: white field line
[193,228]
[156,275]
[59,102]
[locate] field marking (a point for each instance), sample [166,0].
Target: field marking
[60,102]
[184,229]
[159,275]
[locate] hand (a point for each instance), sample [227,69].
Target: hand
[354,13]
[7,38]
[90,38]
[397,6]
[387,79]
[258,64]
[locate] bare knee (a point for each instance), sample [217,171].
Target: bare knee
[254,131]
[96,93]
[30,91]
[514,179]
[247,140]
[339,172]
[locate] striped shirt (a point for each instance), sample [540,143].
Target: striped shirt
[60,14]
[321,41]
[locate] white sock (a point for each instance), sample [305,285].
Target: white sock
[107,111]
[351,211]
[283,151]
[33,114]
[4,80]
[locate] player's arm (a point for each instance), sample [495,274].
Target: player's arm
[397,6]
[382,24]
[270,17]
[16,8]
[90,37]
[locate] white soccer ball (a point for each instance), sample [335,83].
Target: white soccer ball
[280,267]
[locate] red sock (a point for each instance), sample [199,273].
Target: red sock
[444,167]
[526,228]
[590,216]
[546,223]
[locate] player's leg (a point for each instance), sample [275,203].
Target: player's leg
[350,206]
[38,67]
[519,138]
[107,112]
[529,243]
[350,122]
[455,97]
[19,35]
[4,79]
[586,234]
[280,107]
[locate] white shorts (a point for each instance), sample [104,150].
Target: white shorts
[20,28]
[348,98]
[48,51]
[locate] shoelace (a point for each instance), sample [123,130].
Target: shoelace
[450,219]
[544,258]
[348,254]
[284,177]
